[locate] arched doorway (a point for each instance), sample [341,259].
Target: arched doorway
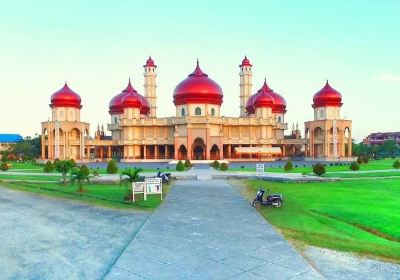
[199,149]
[182,152]
[214,153]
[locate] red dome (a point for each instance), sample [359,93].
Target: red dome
[249,105]
[245,62]
[115,104]
[279,103]
[65,97]
[198,88]
[327,96]
[263,97]
[131,99]
[149,63]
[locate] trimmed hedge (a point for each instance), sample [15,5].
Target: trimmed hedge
[354,166]
[112,167]
[48,167]
[288,166]
[319,169]
[224,166]
[180,166]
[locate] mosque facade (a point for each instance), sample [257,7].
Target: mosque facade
[197,131]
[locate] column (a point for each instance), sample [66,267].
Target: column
[189,144]
[349,145]
[101,152]
[144,151]
[166,152]
[109,152]
[80,146]
[155,151]
[49,145]
[43,146]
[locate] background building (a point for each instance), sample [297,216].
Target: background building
[379,138]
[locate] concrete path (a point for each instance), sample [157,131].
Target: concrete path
[206,230]
[45,238]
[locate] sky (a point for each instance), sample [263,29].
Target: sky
[97,45]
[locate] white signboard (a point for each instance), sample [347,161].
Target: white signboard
[149,186]
[260,169]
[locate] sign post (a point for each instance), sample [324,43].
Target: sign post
[260,169]
[138,187]
[149,186]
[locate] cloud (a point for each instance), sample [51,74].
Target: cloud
[388,77]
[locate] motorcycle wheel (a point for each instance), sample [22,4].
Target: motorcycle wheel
[256,203]
[278,205]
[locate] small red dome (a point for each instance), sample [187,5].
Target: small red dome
[145,105]
[263,97]
[327,96]
[149,63]
[131,99]
[65,97]
[245,62]
[198,88]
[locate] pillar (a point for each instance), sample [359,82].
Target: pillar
[144,152]
[101,152]
[155,151]
[88,151]
[166,152]
[43,146]
[109,152]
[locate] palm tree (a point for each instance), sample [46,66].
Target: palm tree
[80,175]
[130,175]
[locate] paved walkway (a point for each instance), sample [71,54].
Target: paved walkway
[45,238]
[206,230]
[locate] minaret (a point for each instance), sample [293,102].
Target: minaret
[150,86]
[246,84]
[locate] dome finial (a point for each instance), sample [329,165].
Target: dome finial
[66,83]
[197,62]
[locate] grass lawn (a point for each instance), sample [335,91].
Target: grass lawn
[382,164]
[30,177]
[355,174]
[360,216]
[108,195]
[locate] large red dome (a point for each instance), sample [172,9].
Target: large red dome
[65,97]
[198,88]
[327,96]
[131,99]
[263,97]
[115,104]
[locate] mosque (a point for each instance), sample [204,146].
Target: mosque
[197,131]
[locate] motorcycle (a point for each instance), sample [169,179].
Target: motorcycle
[165,177]
[275,200]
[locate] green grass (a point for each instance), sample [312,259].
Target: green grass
[29,177]
[107,195]
[25,165]
[382,164]
[355,174]
[360,216]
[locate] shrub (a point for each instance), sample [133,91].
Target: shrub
[396,164]
[319,169]
[242,166]
[365,159]
[354,166]
[57,160]
[73,163]
[188,164]
[224,166]
[180,166]
[48,167]
[215,164]
[360,159]
[4,166]
[288,166]
[85,170]
[112,167]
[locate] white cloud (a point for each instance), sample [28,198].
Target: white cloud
[388,77]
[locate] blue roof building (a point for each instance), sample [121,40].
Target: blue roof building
[10,138]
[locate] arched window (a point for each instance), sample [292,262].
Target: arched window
[183,112]
[115,119]
[279,119]
[197,111]
[212,111]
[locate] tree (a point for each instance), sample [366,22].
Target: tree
[63,166]
[48,167]
[79,175]
[319,169]
[131,174]
[288,166]
[85,169]
[73,163]
[354,166]
[360,159]
[396,164]
[389,148]
[188,164]
[28,148]
[180,166]
[112,167]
